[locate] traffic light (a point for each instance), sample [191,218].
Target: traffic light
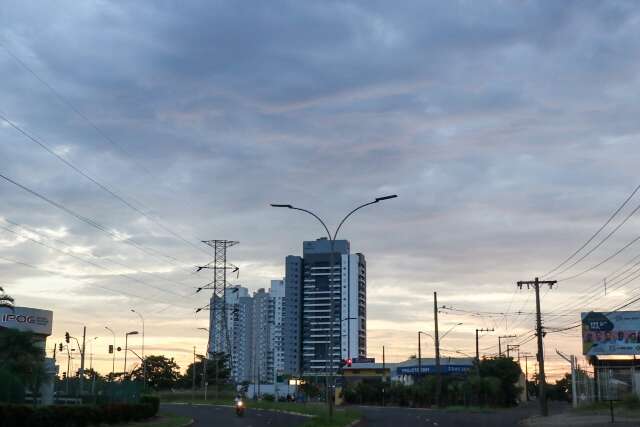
[110,348]
[346,362]
[67,337]
[60,347]
[64,375]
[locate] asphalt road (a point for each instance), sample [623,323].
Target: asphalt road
[401,417]
[220,416]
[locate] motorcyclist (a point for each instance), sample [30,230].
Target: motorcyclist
[239,404]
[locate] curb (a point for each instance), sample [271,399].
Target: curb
[299,414]
[354,423]
[188,423]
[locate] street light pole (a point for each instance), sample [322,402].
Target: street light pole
[144,363]
[330,348]
[126,349]
[205,360]
[420,351]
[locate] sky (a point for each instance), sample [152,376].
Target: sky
[507,129]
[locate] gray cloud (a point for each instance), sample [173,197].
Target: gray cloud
[507,129]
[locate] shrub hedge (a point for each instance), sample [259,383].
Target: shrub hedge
[78,415]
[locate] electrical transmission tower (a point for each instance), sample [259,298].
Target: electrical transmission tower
[219,340]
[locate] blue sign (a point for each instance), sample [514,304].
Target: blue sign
[431,369]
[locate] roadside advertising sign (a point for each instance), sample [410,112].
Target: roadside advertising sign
[615,333]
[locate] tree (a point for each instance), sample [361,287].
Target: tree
[561,390]
[223,375]
[508,372]
[5,300]
[20,356]
[162,373]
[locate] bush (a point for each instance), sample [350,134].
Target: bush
[268,397]
[631,401]
[77,416]
[153,402]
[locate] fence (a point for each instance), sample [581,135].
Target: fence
[585,388]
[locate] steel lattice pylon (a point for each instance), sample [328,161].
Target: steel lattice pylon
[219,340]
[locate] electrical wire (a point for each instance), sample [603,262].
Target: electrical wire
[103,187]
[615,213]
[91,222]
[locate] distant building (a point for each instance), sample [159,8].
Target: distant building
[292,316]
[262,359]
[276,324]
[308,350]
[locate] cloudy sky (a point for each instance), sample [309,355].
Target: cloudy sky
[508,130]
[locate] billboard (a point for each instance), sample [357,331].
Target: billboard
[615,333]
[27,319]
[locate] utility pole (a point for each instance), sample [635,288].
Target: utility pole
[437,342]
[478,348]
[384,375]
[68,366]
[193,386]
[500,343]
[84,336]
[544,409]
[419,356]
[511,347]
[526,373]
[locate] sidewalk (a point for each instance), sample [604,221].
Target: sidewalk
[572,419]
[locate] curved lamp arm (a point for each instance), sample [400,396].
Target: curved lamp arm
[307,211]
[377,200]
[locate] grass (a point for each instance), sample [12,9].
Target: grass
[163,420]
[320,418]
[602,408]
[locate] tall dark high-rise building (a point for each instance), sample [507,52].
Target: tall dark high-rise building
[308,346]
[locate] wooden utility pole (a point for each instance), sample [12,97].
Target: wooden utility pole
[81,379]
[500,343]
[478,348]
[526,373]
[437,342]
[544,409]
[193,385]
[384,374]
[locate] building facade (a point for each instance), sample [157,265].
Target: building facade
[317,335]
[292,316]
[276,323]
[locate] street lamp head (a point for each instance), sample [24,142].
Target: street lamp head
[276,205]
[132,333]
[379,199]
[132,310]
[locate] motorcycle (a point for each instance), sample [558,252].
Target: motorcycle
[240,408]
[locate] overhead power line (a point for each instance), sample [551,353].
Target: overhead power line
[103,187]
[607,259]
[93,264]
[91,222]
[590,239]
[144,298]
[604,239]
[67,244]
[73,108]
